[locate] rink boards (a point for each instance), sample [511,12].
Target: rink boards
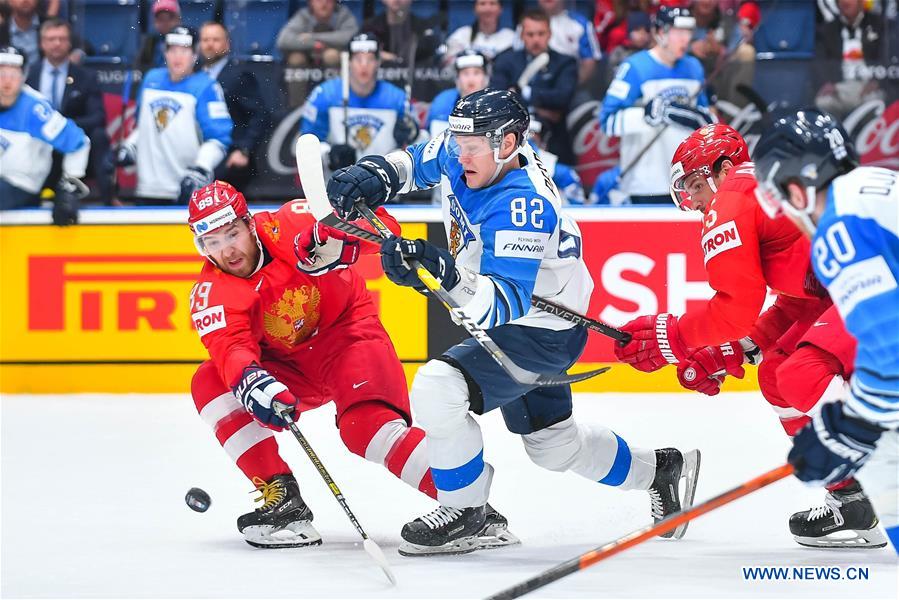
[103,307]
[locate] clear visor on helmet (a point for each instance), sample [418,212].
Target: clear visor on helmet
[678,194]
[468,146]
[220,239]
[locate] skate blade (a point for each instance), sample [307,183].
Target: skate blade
[690,474]
[496,536]
[855,538]
[460,546]
[294,535]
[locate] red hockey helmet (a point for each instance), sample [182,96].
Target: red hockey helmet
[214,206]
[698,154]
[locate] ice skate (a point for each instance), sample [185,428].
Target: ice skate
[665,494]
[456,531]
[846,520]
[283,520]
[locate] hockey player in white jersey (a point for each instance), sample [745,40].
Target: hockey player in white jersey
[30,129]
[472,74]
[183,126]
[808,168]
[376,121]
[508,238]
[654,89]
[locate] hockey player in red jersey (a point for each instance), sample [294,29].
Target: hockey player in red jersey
[284,320]
[807,352]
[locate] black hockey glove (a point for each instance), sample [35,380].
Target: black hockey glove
[405,130]
[660,111]
[396,251]
[69,191]
[372,180]
[123,156]
[340,156]
[833,446]
[195,178]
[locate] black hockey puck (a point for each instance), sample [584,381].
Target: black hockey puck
[197,500]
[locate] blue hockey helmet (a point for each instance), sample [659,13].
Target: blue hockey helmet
[809,148]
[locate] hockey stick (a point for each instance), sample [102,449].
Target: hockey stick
[521,376]
[367,543]
[345,92]
[410,73]
[313,182]
[641,535]
[539,61]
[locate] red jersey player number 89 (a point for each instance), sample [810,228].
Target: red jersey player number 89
[199,296]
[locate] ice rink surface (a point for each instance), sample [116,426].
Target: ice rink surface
[93,506]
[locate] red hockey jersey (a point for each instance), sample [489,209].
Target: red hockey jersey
[745,252]
[272,313]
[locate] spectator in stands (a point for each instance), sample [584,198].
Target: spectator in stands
[74,92]
[610,20]
[396,29]
[314,37]
[724,39]
[472,74]
[572,34]
[845,48]
[251,117]
[166,16]
[638,38]
[30,130]
[376,121]
[550,92]
[20,28]
[484,35]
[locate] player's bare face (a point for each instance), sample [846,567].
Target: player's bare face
[11,80]
[363,70]
[696,187]
[471,79]
[678,42]
[535,35]
[180,61]
[233,248]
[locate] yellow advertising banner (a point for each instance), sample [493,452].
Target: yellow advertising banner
[113,297]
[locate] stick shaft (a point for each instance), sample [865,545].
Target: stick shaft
[641,535]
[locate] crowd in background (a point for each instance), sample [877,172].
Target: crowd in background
[586,53]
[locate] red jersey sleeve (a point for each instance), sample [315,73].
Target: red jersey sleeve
[775,321]
[732,258]
[221,307]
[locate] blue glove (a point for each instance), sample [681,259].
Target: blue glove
[662,111]
[194,179]
[405,130]
[372,180]
[833,446]
[257,390]
[395,251]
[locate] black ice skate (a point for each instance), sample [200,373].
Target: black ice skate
[664,493]
[846,520]
[283,520]
[456,531]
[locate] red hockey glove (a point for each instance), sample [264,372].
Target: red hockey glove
[321,249]
[655,342]
[704,369]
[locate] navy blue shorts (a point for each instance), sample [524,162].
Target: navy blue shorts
[526,409]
